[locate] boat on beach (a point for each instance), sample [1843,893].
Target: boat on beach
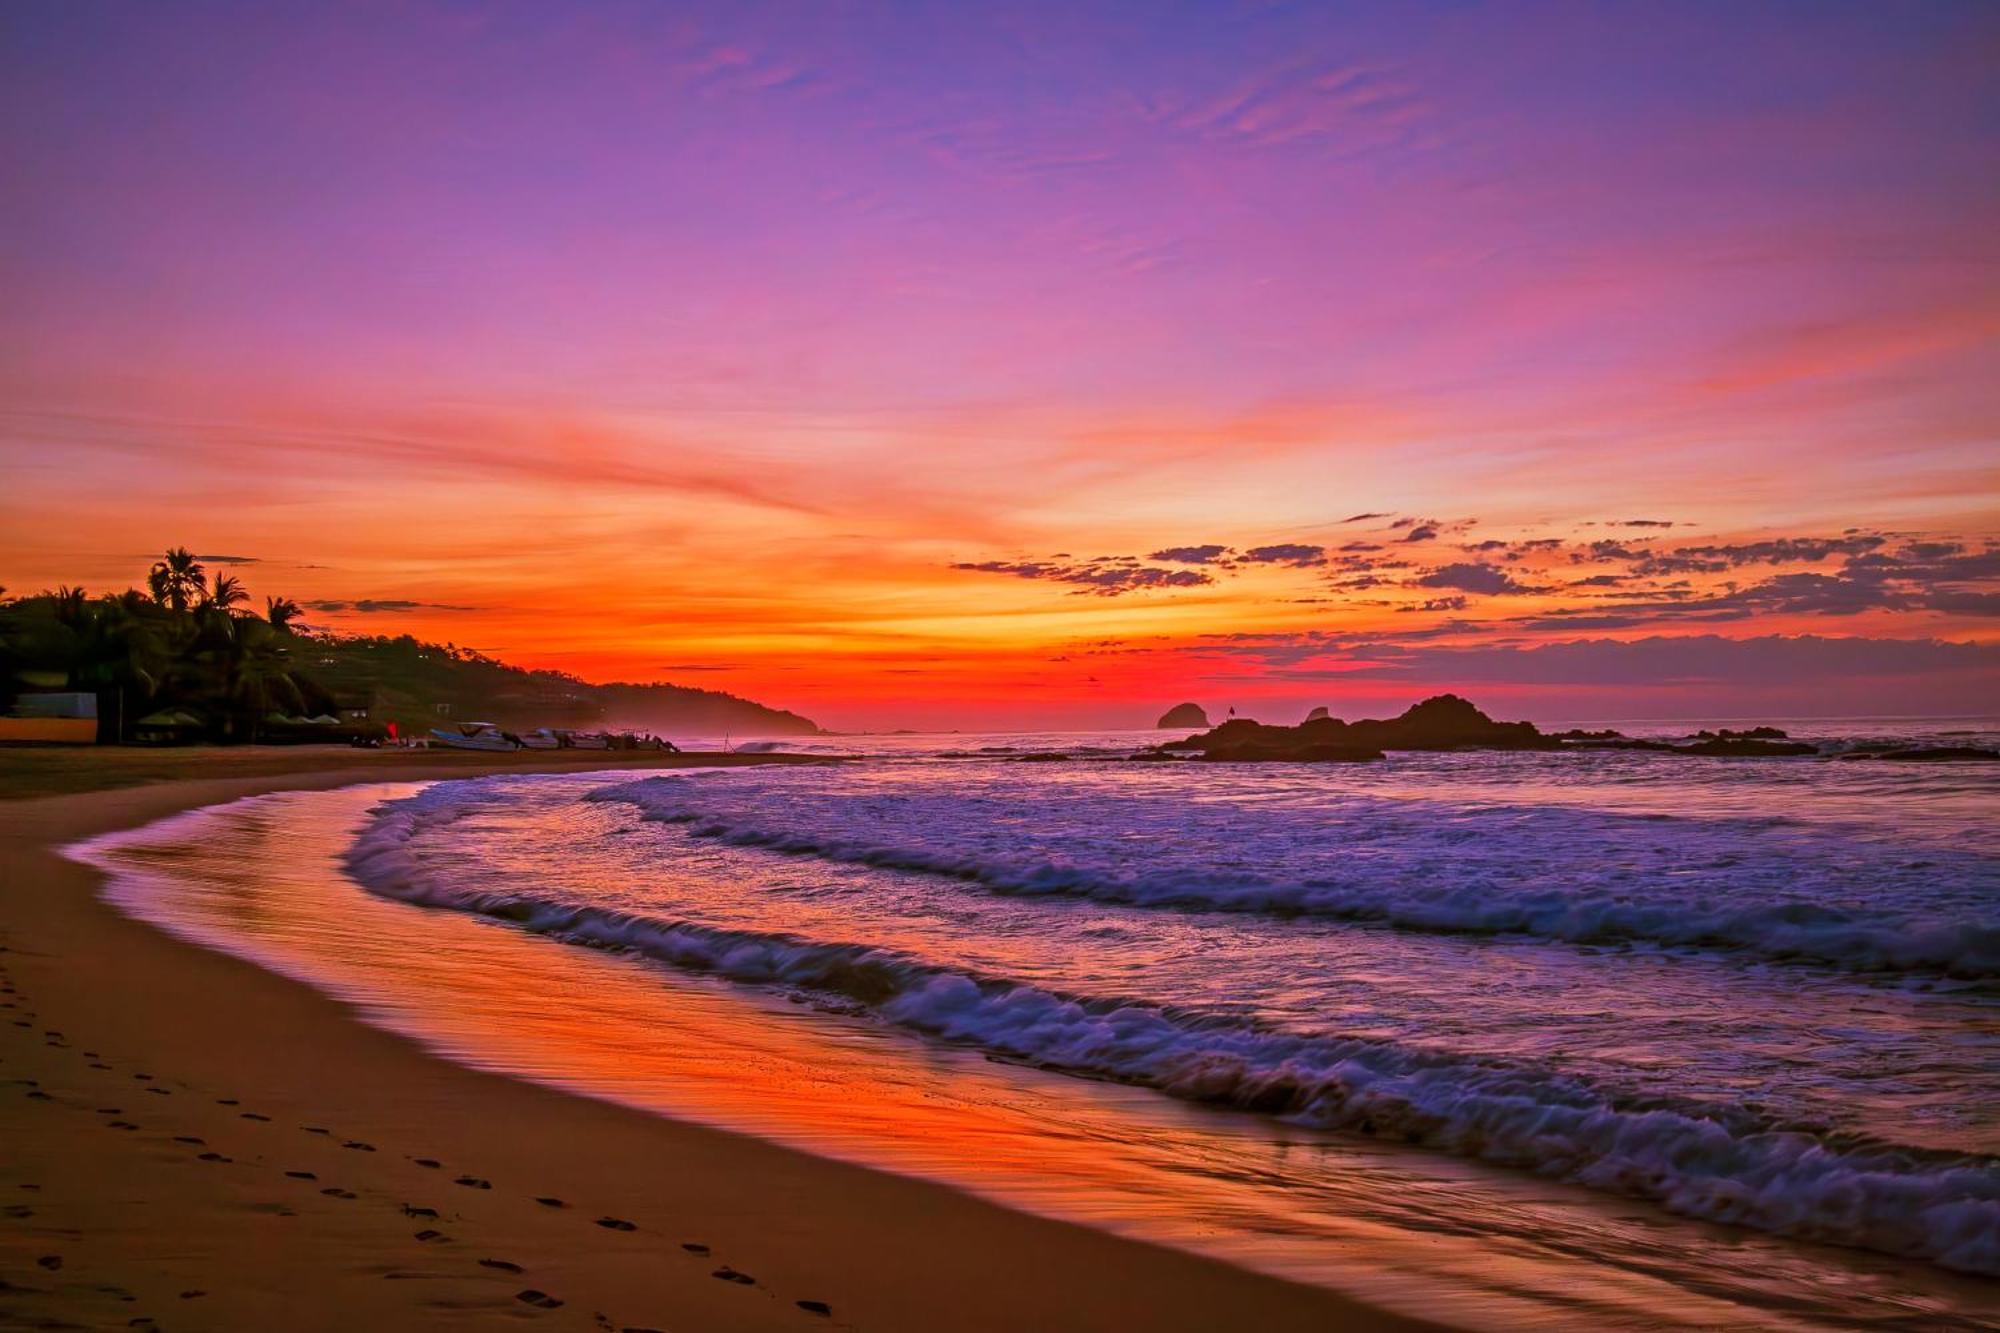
[541,738]
[474,736]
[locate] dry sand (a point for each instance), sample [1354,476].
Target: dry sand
[190,1142]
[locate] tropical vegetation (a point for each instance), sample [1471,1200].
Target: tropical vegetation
[189,658]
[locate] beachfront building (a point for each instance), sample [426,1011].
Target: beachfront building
[51,718]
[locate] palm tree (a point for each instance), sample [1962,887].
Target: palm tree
[70,604]
[227,593]
[281,612]
[178,581]
[258,674]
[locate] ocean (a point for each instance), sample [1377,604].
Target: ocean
[1580,1039]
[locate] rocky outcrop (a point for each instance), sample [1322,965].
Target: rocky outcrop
[1716,747]
[1240,741]
[1183,715]
[1745,747]
[1446,722]
[1318,714]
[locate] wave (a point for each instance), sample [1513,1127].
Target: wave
[1572,908]
[1724,1164]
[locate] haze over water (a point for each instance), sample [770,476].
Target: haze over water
[1585,1038]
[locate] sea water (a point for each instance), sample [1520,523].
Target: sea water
[1598,1037]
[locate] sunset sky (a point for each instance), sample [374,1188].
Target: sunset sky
[963,365]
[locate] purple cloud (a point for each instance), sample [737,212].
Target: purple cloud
[1470,577]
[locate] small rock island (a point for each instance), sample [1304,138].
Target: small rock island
[1183,715]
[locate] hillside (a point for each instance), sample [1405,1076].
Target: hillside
[418,684]
[187,660]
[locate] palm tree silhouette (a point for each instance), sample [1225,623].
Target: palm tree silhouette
[227,593]
[178,581]
[281,612]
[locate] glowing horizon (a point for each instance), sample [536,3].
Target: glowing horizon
[932,367]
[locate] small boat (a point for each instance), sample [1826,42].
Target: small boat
[474,736]
[586,740]
[541,738]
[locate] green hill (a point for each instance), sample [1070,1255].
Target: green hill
[189,658]
[419,684]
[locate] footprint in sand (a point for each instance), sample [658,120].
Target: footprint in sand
[547,1201]
[617,1224]
[502,1265]
[428,1235]
[315,1129]
[252,1115]
[337,1193]
[815,1307]
[539,1299]
[358,1146]
[411,1210]
[214,1157]
[52,1262]
[694,1247]
[302,1175]
[473,1183]
[191,1139]
[728,1274]
[431,1162]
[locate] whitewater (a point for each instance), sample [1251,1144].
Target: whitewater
[1761,996]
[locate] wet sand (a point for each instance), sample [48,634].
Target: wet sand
[192,1142]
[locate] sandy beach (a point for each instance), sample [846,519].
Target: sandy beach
[196,1143]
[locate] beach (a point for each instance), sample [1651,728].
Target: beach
[195,1142]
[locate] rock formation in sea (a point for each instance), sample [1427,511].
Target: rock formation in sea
[1729,746]
[1184,715]
[1446,722]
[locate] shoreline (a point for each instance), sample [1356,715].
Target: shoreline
[186,1044]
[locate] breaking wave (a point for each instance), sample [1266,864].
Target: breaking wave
[1720,1163]
[1472,871]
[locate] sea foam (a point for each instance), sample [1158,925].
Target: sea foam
[1717,1162]
[1576,876]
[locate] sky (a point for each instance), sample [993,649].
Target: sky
[945,365]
